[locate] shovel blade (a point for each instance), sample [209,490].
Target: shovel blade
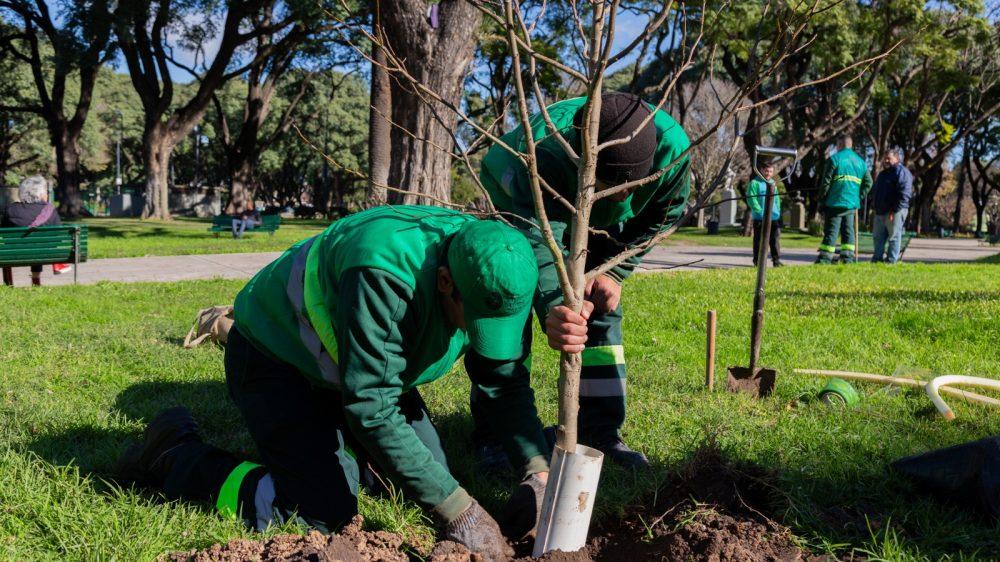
[758,383]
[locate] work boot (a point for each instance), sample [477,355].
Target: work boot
[621,454]
[148,463]
[777,263]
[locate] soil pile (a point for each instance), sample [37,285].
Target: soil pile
[353,544]
[711,509]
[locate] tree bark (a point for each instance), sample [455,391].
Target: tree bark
[242,172]
[379,127]
[438,58]
[156,161]
[67,148]
[960,191]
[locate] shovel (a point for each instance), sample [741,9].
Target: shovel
[756,380]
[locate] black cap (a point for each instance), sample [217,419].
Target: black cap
[621,115]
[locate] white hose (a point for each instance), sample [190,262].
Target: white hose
[899,381]
[933,389]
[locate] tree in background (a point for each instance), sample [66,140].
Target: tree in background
[318,168]
[433,42]
[22,140]
[981,167]
[76,44]
[944,86]
[150,34]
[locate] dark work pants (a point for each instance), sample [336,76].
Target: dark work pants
[602,384]
[310,464]
[774,240]
[837,223]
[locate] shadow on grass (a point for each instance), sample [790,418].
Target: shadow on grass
[95,448]
[830,509]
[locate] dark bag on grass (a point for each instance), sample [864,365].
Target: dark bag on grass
[211,323]
[967,475]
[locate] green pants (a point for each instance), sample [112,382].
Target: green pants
[602,382]
[836,222]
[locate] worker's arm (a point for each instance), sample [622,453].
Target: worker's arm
[663,210]
[826,180]
[753,197]
[508,402]
[372,309]
[866,183]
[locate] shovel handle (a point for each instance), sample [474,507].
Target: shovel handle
[757,322]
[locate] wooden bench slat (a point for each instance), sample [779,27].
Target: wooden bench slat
[22,246]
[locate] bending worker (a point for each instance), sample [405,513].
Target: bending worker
[627,218]
[845,182]
[329,344]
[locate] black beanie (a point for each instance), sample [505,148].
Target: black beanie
[621,115]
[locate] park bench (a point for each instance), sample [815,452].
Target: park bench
[224,223]
[866,243]
[43,245]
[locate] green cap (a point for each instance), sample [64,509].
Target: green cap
[494,269]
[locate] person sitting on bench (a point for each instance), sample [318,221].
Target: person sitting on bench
[34,210]
[248,219]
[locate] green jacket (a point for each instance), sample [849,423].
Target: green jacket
[651,208]
[757,197]
[846,180]
[356,308]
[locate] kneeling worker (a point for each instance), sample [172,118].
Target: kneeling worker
[329,344]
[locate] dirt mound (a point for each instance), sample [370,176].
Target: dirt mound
[711,509]
[353,544]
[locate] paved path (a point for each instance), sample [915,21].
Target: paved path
[927,250]
[243,266]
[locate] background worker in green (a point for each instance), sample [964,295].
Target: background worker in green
[756,199]
[845,182]
[329,344]
[627,218]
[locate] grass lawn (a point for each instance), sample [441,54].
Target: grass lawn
[129,238]
[691,236]
[85,366]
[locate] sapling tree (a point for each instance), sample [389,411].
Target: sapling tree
[594,35]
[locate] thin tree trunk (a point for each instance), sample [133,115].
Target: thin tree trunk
[959,196]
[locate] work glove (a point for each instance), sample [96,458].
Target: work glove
[519,517]
[475,529]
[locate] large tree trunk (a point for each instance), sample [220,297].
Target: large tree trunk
[438,58]
[379,130]
[156,161]
[67,148]
[242,171]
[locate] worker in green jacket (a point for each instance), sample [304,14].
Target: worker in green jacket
[329,345]
[756,199]
[845,182]
[625,219]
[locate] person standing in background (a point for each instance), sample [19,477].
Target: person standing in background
[845,182]
[891,200]
[756,199]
